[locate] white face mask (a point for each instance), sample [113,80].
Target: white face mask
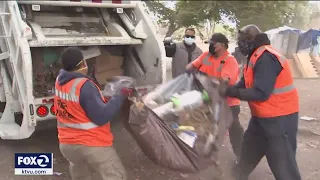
[189,41]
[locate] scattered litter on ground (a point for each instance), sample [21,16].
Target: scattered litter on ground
[311,144]
[306,118]
[57,173]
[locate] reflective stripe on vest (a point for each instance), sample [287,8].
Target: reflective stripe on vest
[83,126]
[281,59]
[206,61]
[71,96]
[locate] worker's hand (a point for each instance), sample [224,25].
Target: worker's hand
[126,92]
[189,71]
[167,41]
[223,86]
[123,85]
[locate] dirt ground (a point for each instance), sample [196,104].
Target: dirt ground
[140,168]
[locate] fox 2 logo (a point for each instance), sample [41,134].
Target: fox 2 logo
[33,160]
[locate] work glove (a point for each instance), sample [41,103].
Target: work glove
[226,90]
[124,88]
[121,85]
[126,92]
[192,70]
[189,71]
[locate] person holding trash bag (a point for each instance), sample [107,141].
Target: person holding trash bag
[83,120]
[182,53]
[268,87]
[217,62]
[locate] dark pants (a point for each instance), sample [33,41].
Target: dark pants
[275,138]
[236,131]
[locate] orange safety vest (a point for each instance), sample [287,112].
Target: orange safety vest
[214,70]
[74,127]
[284,99]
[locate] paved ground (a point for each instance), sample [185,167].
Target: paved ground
[140,168]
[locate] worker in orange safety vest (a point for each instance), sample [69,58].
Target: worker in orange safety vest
[83,120]
[217,62]
[267,85]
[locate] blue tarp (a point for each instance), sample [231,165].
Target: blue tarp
[308,39]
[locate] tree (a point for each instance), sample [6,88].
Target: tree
[301,14]
[178,16]
[265,14]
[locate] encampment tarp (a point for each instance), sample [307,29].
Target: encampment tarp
[308,39]
[284,39]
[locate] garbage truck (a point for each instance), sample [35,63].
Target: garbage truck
[117,37]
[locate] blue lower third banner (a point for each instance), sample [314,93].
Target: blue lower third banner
[33,164]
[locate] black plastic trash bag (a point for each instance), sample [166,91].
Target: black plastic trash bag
[159,141]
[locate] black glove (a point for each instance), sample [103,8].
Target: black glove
[233,92]
[189,71]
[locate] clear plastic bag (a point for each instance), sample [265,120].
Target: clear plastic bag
[115,84]
[163,93]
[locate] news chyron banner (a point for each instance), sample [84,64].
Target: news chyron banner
[33,164]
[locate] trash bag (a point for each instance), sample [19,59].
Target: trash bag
[159,141]
[114,85]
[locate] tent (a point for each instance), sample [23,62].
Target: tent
[284,39]
[308,41]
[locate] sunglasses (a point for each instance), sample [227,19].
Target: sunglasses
[189,36]
[82,62]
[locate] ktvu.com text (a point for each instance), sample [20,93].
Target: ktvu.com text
[33,164]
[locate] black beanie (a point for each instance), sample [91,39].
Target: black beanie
[70,58]
[219,37]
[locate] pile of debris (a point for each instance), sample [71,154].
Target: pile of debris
[101,66]
[188,112]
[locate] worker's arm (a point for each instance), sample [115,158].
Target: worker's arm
[197,62]
[266,71]
[170,49]
[240,84]
[230,70]
[98,111]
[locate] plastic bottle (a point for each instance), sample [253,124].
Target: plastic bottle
[164,109]
[191,99]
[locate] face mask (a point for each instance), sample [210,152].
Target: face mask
[189,41]
[212,49]
[245,47]
[83,70]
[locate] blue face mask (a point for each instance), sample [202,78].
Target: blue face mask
[189,41]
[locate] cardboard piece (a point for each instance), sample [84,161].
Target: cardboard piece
[106,62]
[316,61]
[296,73]
[307,65]
[102,77]
[299,65]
